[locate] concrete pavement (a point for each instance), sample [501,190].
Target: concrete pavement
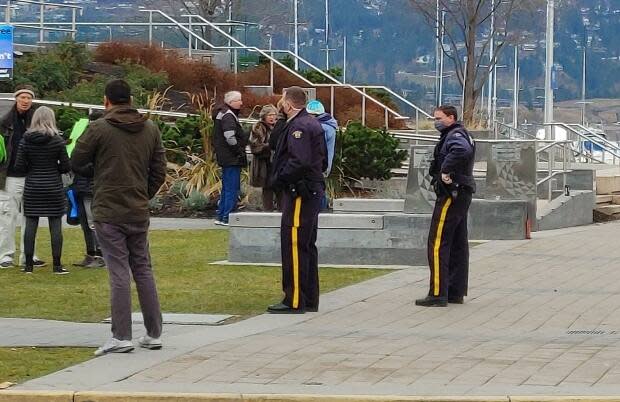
[542,318]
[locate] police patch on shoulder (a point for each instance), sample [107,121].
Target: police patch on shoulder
[297,134]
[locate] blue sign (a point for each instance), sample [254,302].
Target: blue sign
[6,52]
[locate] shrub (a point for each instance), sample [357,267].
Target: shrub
[66,117]
[53,70]
[195,201]
[85,91]
[367,153]
[318,78]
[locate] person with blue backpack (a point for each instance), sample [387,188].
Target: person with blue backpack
[330,127]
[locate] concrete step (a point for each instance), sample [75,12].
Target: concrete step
[326,221]
[608,209]
[344,205]
[604,199]
[607,184]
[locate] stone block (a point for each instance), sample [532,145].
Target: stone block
[567,211]
[345,205]
[497,219]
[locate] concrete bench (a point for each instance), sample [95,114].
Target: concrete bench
[326,221]
[360,205]
[343,239]
[488,219]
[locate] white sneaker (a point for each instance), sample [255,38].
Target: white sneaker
[150,343]
[220,223]
[114,346]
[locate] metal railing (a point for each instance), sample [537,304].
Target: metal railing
[592,138]
[41,25]
[513,133]
[234,45]
[269,54]
[550,148]
[90,108]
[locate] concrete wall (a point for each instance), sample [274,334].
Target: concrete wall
[370,238]
[488,219]
[567,211]
[393,239]
[497,220]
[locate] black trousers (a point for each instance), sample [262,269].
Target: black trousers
[448,250]
[300,258]
[90,238]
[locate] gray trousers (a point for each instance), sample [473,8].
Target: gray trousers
[125,249]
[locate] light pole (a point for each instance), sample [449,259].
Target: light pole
[549,68]
[344,62]
[441,57]
[583,81]
[492,70]
[437,54]
[295,25]
[515,95]
[327,48]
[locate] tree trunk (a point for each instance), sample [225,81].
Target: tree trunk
[469,92]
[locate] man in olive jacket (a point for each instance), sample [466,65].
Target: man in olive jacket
[123,152]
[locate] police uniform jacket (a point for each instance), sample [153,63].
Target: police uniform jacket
[301,153]
[455,155]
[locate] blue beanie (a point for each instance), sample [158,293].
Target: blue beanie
[315,107]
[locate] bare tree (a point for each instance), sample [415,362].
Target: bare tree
[468,34]
[209,9]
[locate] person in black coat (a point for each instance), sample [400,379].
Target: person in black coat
[42,157]
[84,191]
[452,172]
[229,142]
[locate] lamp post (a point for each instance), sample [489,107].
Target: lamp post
[492,70]
[515,95]
[295,25]
[548,119]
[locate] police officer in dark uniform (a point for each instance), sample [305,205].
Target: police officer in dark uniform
[452,171]
[298,166]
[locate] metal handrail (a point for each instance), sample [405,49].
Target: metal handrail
[615,152]
[511,128]
[554,174]
[265,53]
[337,82]
[596,135]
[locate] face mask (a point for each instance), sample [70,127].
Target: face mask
[439,125]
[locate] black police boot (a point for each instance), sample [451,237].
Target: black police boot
[456,300]
[431,301]
[282,308]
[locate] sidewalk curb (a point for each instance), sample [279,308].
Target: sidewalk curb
[70,396]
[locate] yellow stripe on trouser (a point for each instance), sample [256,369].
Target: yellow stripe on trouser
[442,221]
[296,215]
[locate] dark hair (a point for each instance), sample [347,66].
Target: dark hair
[95,114]
[118,92]
[448,111]
[296,96]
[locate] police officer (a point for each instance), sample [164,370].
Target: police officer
[298,166]
[452,171]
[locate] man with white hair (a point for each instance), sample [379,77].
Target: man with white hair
[12,128]
[229,142]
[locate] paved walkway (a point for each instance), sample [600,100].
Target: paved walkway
[543,317]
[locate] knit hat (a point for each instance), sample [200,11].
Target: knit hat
[315,107]
[266,110]
[24,89]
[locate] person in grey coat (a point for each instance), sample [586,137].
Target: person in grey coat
[42,157]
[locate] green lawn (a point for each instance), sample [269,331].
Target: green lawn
[186,281]
[23,364]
